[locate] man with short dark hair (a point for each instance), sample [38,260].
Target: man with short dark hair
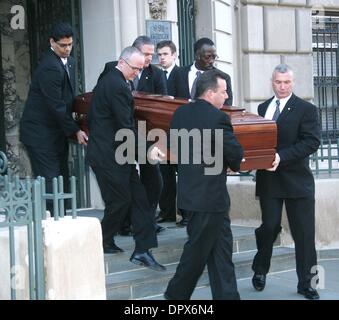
[203,196]
[205,55]
[47,122]
[167,54]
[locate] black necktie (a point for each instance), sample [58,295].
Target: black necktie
[277,110]
[166,73]
[193,90]
[67,69]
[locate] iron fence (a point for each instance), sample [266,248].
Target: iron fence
[22,210]
[326,83]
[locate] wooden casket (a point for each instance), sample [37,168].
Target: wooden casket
[257,135]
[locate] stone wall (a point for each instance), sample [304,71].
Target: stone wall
[73,261]
[245,210]
[273,32]
[16,80]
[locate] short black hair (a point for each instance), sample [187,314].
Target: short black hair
[61,30]
[208,81]
[167,43]
[201,42]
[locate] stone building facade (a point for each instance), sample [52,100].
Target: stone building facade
[251,36]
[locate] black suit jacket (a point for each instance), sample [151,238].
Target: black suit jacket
[196,190]
[184,91]
[47,119]
[174,84]
[152,80]
[112,109]
[298,137]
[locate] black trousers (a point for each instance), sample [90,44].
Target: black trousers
[150,177]
[121,189]
[50,164]
[301,219]
[210,243]
[167,202]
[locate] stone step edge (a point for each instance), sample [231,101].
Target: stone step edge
[142,274]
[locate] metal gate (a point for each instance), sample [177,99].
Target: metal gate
[43,14]
[186,21]
[326,83]
[326,73]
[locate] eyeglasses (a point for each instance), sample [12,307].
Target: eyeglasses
[64,45]
[210,56]
[133,68]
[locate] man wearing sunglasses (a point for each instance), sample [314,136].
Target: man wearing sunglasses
[47,122]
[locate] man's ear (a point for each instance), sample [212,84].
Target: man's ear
[52,42]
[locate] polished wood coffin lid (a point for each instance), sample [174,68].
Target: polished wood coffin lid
[258,136]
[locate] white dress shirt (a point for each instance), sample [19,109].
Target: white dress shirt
[169,70]
[272,106]
[192,75]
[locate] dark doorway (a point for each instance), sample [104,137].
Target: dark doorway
[43,15]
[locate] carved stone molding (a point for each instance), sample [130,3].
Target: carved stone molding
[158,9]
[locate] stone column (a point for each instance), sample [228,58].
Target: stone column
[214,20]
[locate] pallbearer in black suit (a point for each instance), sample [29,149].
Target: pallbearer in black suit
[205,55]
[167,54]
[289,181]
[151,80]
[112,109]
[47,122]
[203,193]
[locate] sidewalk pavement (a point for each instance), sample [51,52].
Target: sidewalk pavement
[281,285]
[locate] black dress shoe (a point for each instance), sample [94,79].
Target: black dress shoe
[112,248]
[309,293]
[259,281]
[147,260]
[159,229]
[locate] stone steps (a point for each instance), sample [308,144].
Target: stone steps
[125,280]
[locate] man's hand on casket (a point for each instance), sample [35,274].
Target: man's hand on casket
[155,154]
[275,163]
